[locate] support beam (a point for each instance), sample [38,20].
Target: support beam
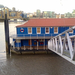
[64,43]
[61,44]
[56,44]
[70,46]
[53,45]
[7,40]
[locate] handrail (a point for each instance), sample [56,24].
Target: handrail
[62,44]
[70,29]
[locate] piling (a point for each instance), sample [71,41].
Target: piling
[7,40]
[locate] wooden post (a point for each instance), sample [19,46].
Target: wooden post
[7,41]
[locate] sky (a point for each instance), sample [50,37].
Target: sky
[30,6]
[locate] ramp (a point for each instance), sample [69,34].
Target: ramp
[64,45]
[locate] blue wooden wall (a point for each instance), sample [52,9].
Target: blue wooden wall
[26,43]
[34,31]
[17,44]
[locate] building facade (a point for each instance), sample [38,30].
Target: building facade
[0,14]
[10,14]
[35,33]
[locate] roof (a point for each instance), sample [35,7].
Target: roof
[49,22]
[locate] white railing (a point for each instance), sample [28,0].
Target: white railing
[63,45]
[29,35]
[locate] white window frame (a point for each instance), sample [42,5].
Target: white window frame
[31,30]
[72,30]
[57,30]
[40,30]
[45,30]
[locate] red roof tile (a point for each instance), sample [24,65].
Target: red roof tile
[49,22]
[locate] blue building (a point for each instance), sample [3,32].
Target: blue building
[35,33]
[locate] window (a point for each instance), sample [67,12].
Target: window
[29,30]
[71,31]
[38,30]
[55,29]
[47,30]
[13,14]
[5,11]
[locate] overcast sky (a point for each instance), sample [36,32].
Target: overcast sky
[58,6]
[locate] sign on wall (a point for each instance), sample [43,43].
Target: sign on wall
[22,30]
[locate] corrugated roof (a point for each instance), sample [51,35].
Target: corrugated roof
[49,22]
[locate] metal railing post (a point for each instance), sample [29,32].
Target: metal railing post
[44,41]
[70,45]
[61,44]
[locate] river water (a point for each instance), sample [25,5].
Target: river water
[12,30]
[38,64]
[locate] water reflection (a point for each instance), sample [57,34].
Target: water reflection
[12,30]
[2,38]
[50,64]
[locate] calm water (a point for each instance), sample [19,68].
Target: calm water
[41,64]
[12,30]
